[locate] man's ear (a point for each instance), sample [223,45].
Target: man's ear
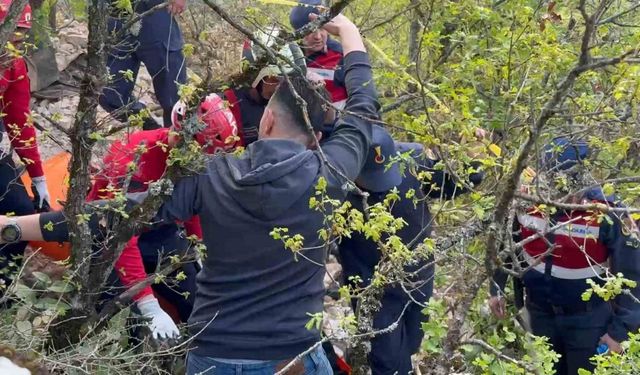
[266,123]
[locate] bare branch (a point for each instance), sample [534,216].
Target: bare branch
[599,207]
[618,15]
[8,25]
[367,335]
[497,353]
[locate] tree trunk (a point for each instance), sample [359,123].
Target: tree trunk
[84,299]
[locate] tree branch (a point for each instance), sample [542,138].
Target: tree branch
[8,25]
[497,353]
[616,16]
[367,335]
[600,207]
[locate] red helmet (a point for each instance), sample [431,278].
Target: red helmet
[220,132]
[25,17]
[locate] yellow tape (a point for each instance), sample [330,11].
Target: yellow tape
[282,2]
[394,65]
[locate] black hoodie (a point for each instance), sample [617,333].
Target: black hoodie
[253,296]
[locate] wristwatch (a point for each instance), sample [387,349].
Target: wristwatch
[11,232]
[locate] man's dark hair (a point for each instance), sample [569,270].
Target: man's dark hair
[285,99]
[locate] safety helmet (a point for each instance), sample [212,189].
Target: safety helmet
[220,130]
[25,18]
[252,53]
[562,154]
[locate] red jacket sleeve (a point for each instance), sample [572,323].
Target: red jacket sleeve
[131,269]
[15,107]
[192,226]
[129,266]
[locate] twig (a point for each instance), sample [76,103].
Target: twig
[385,330]
[335,9]
[600,207]
[616,16]
[390,19]
[496,352]
[395,105]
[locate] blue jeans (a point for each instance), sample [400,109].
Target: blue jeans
[315,363]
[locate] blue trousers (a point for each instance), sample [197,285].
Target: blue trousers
[13,199]
[575,337]
[391,352]
[315,363]
[166,67]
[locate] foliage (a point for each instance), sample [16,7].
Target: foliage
[615,364]
[493,65]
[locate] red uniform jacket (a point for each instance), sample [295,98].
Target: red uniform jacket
[328,65]
[14,97]
[150,167]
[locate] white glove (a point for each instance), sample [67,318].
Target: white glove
[162,325]
[41,187]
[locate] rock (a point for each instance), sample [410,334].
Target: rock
[78,40]
[41,72]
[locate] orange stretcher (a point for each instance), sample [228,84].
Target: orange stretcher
[55,168]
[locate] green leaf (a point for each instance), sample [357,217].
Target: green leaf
[24,326]
[608,189]
[61,287]
[48,226]
[42,277]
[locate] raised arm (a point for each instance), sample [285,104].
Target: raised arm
[347,147]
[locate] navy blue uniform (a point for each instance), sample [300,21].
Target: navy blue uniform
[585,249]
[159,46]
[14,200]
[391,352]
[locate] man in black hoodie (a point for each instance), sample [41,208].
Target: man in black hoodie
[254,297]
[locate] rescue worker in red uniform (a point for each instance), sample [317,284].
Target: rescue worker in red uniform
[588,248]
[14,100]
[323,55]
[140,256]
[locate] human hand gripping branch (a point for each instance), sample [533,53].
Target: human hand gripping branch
[348,32]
